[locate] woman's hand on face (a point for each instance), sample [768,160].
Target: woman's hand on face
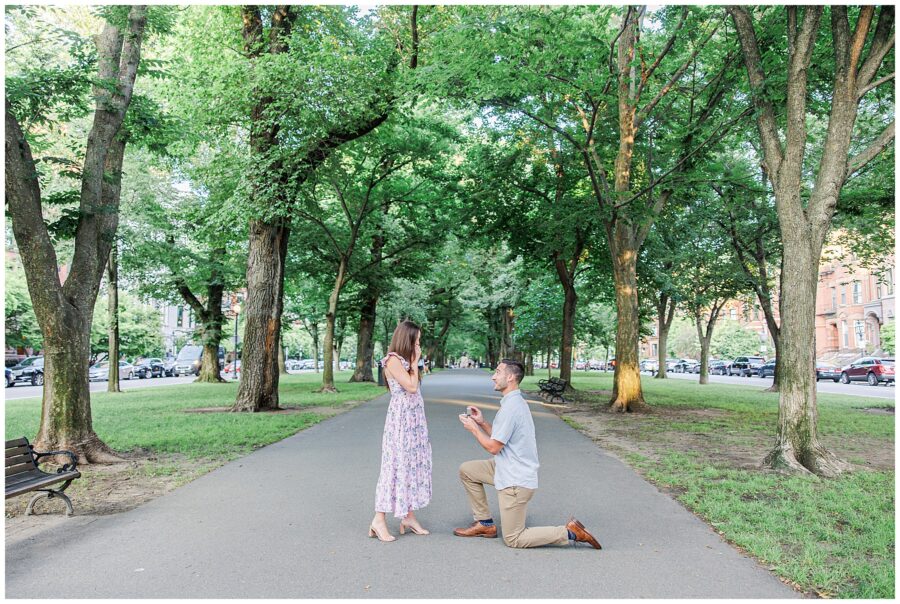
[417,354]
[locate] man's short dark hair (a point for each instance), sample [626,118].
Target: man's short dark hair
[515,369]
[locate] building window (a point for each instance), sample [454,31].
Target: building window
[180,316]
[733,314]
[877,290]
[834,298]
[857,292]
[889,285]
[654,349]
[860,328]
[845,336]
[843,295]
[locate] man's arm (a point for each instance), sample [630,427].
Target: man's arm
[489,444]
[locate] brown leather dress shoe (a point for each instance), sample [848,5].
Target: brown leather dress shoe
[581,533]
[476,529]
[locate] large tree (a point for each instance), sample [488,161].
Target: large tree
[654,101]
[65,311]
[788,90]
[291,135]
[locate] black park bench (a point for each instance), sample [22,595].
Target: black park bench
[553,389]
[23,474]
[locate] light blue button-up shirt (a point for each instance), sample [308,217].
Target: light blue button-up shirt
[516,465]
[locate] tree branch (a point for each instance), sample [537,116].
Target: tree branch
[768,129]
[882,43]
[875,84]
[871,152]
[644,113]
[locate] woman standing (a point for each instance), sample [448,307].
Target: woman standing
[404,484]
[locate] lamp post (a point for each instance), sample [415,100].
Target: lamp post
[237,314]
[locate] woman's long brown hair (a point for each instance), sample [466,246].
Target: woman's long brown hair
[403,342]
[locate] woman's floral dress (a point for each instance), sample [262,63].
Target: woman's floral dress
[405,480]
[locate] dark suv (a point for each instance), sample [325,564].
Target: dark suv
[746,366]
[30,371]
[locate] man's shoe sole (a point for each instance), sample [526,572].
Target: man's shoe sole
[485,535]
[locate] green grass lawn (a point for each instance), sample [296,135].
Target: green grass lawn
[833,537]
[154,419]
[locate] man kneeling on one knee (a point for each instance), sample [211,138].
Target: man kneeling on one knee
[513,470]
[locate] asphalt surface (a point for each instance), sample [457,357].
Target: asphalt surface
[290,520]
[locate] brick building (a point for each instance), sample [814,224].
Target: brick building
[852,304]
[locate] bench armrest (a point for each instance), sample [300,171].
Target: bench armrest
[66,467]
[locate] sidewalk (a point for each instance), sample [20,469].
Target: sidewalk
[290,520]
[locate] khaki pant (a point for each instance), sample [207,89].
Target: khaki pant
[513,507]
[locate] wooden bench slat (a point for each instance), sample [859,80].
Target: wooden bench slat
[19,459]
[24,477]
[17,451]
[10,444]
[18,469]
[38,483]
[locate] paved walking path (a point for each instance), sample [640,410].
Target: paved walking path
[290,520]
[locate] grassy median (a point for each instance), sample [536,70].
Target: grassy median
[170,435]
[704,445]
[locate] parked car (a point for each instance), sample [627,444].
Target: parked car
[719,367]
[649,365]
[291,365]
[684,366]
[150,368]
[189,358]
[827,371]
[746,366]
[169,366]
[101,371]
[27,370]
[709,362]
[670,364]
[869,369]
[595,364]
[10,380]
[767,369]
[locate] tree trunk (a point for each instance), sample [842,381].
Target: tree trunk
[209,362]
[705,339]
[529,364]
[330,319]
[797,446]
[258,390]
[776,379]
[314,328]
[627,393]
[112,273]
[365,341]
[666,313]
[66,422]
[568,335]
[282,369]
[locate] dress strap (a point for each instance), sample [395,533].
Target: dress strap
[402,360]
